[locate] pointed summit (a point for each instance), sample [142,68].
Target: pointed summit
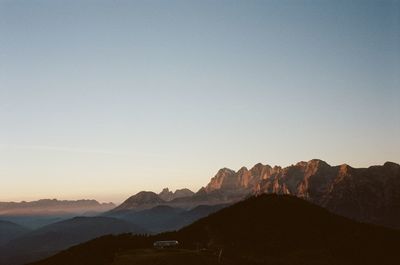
[141,200]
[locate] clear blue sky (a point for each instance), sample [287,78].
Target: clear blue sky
[101,99]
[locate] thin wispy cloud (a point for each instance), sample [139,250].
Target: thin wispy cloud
[66,149]
[59,149]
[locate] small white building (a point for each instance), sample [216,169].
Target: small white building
[166,244]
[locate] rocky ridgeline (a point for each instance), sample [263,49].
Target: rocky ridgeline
[366,194]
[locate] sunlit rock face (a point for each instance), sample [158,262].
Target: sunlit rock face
[365,194]
[224,179]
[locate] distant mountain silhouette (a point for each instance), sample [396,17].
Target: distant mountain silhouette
[9,231]
[52,207]
[55,237]
[266,229]
[140,201]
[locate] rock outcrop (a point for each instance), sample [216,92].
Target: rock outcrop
[168,195]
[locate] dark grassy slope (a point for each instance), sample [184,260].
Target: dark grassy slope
[268,229]
[50,239]
[9,231]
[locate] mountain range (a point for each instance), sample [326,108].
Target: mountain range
[265,229]
[36,214]
[368,195]
[52,207]
[365,194]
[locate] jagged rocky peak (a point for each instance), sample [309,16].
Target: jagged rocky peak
[259,167]
[309,168]
[273,179]
[313,164]
[250,178]
[344,169]
[244,180]
[168,195]
[242,170]
[264,171]
[225,172]
[180,193]
[318,163]
[224,179]
[301,164]
[366,194]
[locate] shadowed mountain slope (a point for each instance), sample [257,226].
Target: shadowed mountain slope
[9,231]
[55,237]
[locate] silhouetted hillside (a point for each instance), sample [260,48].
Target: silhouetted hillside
[268,229]
[283,228]
[9,231]
[55,237]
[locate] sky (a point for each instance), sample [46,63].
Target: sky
[101,99]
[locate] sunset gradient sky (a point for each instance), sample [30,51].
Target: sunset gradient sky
[101,99]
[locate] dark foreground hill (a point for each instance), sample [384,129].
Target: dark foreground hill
[52,238]
[268,229]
